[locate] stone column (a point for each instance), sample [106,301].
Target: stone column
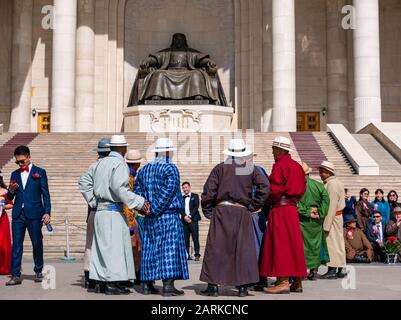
[21,81]
[284,76]
[63,82]
[367,63]
[337,79]
[84,99]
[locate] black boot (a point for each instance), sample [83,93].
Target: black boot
[149,288]
[242,291]
[96,286]
[124,286]
[112,288]
[137,281]
[261,284]
[312,276]
[86,279]
[329,275]
[212,290]
[340,273]
[169,290]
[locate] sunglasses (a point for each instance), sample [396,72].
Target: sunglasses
[392,195]
[20,161]
[376,217]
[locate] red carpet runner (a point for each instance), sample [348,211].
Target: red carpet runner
[7,150]
[308,149]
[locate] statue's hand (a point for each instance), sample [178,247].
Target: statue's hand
[212,70]
[212,64]
[211,67]
[144,66]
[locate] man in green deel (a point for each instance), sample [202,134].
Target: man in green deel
[313,208]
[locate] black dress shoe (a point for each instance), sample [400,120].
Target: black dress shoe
[169,290]
[360,259]
[212,290]
[14,281]
[38,277]
[148,288]
[242,291]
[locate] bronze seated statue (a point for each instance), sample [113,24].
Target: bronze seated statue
[177,73]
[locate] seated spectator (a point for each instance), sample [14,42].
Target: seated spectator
[380,204]
[363,209]
[350,203]
[376,233]
[394,226]
[357,246]
[392,198]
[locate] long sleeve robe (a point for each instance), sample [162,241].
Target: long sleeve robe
[315,245]
[333,223]
[112,258]
[230,255]
[283,249]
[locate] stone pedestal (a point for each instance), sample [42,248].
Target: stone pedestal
[177,118]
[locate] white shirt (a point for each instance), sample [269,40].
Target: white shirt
[24,178]
[25,175]
[379,230]
[187,199]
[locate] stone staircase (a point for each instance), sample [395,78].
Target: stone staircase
[65,156]
[388,165]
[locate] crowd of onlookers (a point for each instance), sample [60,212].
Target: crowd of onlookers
[370,225]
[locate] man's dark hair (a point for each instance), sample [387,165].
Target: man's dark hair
[345,190]
[376,211]
[103,154]
[22,151]
[184,183]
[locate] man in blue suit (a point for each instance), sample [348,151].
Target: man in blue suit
[30,192]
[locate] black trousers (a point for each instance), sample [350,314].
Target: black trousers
[380,255]
[192,229]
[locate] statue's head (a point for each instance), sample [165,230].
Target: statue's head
[179,41]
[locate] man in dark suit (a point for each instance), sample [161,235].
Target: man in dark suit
[376,234]
[190,218]
[31,209]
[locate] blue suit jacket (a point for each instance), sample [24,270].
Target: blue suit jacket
[35,196]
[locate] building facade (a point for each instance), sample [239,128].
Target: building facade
[285,65]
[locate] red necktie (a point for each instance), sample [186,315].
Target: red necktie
[24,169]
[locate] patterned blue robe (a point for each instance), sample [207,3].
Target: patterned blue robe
[163,251]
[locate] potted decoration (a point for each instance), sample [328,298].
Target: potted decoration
[392,247]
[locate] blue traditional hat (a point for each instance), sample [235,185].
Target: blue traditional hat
[103,145]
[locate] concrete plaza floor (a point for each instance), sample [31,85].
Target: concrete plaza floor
[366,282]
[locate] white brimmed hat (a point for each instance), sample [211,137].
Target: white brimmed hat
[133,156]
[328,166]
[164,145]
[306,168]
[118,141]
[237,148]
[282,143]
